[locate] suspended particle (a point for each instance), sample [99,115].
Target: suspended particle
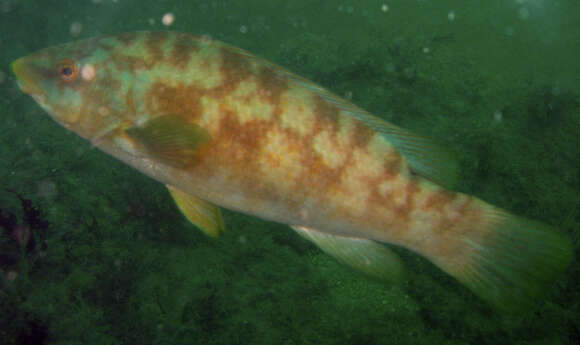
[76,28]
[168,19]
[524,13]
[384,8]
[451,16]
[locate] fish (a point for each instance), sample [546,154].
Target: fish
[223,128]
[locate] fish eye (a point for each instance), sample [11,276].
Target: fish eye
[67,70]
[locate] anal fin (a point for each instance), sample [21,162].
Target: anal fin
[366,256]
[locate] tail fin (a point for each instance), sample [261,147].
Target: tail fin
[511,260]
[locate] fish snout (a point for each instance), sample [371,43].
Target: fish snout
[25,77]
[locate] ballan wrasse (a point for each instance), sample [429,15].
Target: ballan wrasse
[221,127]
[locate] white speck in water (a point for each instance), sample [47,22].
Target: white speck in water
[524,13]
[384,8]
[426,50]
[151,21]
[168,19]
[76,28]
[243,29]
[497,116]
[349,9]
[451,16]
[88,72]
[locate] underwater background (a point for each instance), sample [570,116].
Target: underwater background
[93,252]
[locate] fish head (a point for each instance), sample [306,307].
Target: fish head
[78,85]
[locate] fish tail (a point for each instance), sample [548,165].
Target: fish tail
[509,261]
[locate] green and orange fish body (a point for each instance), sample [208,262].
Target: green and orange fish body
[221,127]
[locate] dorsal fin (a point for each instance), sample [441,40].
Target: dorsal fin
[425,157]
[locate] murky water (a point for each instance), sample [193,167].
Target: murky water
[92,252]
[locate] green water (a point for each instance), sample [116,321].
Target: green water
[109,259]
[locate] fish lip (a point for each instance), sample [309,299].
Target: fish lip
[24,78]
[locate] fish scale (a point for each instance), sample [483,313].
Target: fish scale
[221,127]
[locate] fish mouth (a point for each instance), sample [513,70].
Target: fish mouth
[24,78]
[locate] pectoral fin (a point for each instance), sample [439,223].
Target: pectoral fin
[201,213]
[363,255]
[171,139]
